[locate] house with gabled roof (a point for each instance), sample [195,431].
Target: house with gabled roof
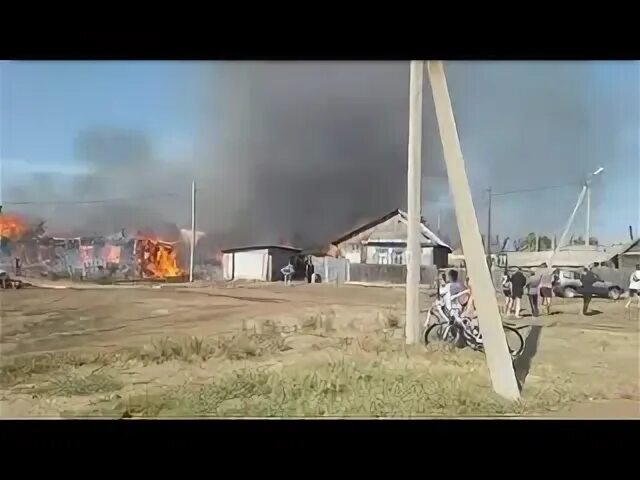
[384,241]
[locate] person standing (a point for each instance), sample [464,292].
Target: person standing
[588,279]
[287,272]
[533,287]
[546,287]
[634,287]
[506,290]
[518,281]
[309,269]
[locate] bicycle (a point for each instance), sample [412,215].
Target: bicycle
[452,327]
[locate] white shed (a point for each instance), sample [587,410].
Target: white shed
[258,262]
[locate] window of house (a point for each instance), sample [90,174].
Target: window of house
[397,257]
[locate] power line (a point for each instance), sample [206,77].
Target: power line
[525,190]
[87,202]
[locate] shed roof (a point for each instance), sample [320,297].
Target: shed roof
[248,248]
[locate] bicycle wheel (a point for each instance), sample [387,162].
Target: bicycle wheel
[515,341]
[439,333]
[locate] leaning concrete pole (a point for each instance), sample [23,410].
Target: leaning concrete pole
[499,360]
[414,183]
[565,232]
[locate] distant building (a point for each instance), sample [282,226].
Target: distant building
[257,262]
[384,241]
[628,255]
[569,256]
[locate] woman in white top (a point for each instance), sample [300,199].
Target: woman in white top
[634,287]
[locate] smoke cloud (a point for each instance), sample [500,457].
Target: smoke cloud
[304,151]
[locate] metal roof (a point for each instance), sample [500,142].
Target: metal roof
[426,232]
[261,247]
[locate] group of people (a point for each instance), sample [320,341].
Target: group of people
[538,286]
[289,270]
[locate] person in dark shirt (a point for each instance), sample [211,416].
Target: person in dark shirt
[309,269]
[518,281]
[588,279]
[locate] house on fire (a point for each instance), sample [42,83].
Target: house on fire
[258,262]
[384,241]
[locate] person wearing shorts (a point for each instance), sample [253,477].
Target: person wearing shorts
[546,287]
[518,281]
[634,287]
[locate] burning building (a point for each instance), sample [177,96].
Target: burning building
[157,259]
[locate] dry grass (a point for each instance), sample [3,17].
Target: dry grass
[347,387]
[72,383]
[163,349]
[375,374]
[391,318]
[21,369]
[322,322]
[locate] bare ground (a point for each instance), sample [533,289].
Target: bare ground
[308,350]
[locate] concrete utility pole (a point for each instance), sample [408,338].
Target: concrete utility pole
[489,229]
[193,229]
[588,187]
[414,184]
[587,233]
[499,360]
[563,237]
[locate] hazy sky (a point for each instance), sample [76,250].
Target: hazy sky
[522,125]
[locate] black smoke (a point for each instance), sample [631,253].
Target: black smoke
[306,150]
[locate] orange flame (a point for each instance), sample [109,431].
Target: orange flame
[12,226]
[159,260]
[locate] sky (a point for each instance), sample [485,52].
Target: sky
[46,104]
[522,125]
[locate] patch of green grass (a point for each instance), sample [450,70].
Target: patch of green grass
[241,345]
[164,349]
[73,384]
[318,322]
[20,369]
[349,388]
[391,318]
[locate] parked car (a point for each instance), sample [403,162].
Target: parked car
[569,286]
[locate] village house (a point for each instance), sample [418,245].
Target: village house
[627,255]
[383,241]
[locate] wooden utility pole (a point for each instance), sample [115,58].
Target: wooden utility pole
[414,184]
[499,360]
[193,229]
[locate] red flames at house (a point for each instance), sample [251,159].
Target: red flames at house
[12,226]
[157,259]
